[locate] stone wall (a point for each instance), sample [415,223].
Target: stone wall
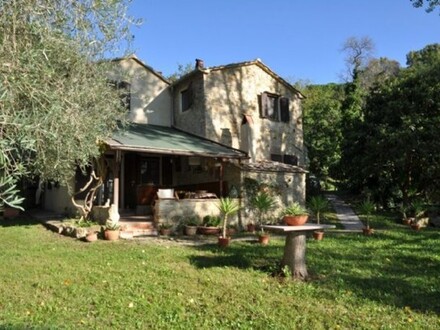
[286,188]
[235,92]
[173,211]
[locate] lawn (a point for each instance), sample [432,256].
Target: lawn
[387,281]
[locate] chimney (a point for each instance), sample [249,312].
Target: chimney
[199,64]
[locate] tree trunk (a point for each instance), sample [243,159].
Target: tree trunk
[295,255]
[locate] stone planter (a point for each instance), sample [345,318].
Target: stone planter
[190,230]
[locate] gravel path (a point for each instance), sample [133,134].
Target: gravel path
[345,214]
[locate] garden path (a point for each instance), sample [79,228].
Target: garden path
[345,213]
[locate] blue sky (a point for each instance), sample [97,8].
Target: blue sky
[297,39]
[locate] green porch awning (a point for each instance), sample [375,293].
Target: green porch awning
[168,140]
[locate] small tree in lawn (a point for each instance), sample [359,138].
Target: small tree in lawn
[318,205]
[263,203]
[227,207]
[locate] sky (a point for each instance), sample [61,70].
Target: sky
[297,39]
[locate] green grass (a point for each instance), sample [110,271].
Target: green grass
[387,281]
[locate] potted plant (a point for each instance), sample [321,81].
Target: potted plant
[419,211]
[227,207]
[111,232]
[210,225]
[191,224]
[91,236]
[165,229]
[318,205]
[295,215]
[263,203]
[367,208]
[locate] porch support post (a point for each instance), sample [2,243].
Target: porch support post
[221,174]
[116,171]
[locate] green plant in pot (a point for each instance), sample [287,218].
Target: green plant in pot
[191,224]
[210,225]
[295,214]
[367,208]
[111,232]
[263,203]
[165,228]
[227,207]
[318,205]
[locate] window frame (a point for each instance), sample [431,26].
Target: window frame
[280,109]
[186,98]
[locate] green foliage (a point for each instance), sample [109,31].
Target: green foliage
[367,208]
[263,202]
[211,221]
[431,4]
[227,207]
[48,282]
[295,209]
[56,103]
[318,205]
[322,128]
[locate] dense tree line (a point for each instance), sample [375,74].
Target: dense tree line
[383,138]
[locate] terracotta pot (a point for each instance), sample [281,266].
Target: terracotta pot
[223,241]
[406,221]
[250,227]
[318,235]
[10,212]
[209,230]
[165,231]
[91,237]
[111,235]
[295,220]
[263,239]
[415,226]
[190,230]
[367,231]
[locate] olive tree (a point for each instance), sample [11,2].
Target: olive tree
[57,105]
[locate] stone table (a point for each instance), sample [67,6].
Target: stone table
[295,248]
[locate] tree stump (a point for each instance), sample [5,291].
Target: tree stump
[295,254]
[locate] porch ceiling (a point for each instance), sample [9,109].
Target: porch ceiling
[168,140]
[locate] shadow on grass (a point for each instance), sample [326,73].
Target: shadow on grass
[397,268]
[21,220]
[240,254]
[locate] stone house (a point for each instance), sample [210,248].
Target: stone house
[212,131]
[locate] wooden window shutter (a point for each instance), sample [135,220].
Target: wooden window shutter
[284,107]
[263,105]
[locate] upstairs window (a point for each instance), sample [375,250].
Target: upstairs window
[286,159]
[187,98]
[275,107]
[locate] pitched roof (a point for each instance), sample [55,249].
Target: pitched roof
[257,62]
[147,67]
[168,140]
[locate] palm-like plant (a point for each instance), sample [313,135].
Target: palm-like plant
[318,205]
[263,202]
[367,208]
[227,207]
